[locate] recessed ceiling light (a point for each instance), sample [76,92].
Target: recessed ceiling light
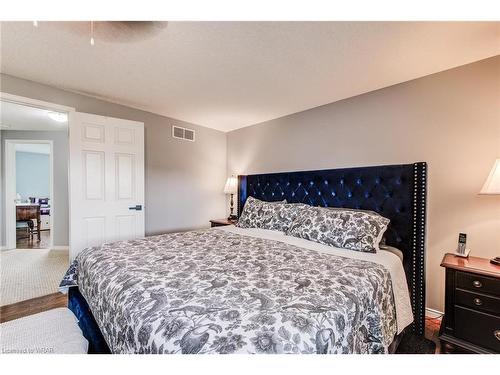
[58,116]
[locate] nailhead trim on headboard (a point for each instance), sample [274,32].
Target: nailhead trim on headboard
[419,232]
[398,192]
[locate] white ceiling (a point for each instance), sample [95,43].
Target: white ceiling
[36,148]
[227,75]
[19,117]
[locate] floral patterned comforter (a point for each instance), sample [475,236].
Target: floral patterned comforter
[213,291]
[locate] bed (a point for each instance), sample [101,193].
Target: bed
[237,290]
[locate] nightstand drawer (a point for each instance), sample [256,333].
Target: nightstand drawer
[478,283]
[478,328]
[478,301]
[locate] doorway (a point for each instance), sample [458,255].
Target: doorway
[30,174]
[34,148]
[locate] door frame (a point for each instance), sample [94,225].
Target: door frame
[10,188]
[30,102]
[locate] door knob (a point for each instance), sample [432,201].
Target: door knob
[136,207]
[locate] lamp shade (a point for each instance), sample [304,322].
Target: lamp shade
[231,186]
[492,184]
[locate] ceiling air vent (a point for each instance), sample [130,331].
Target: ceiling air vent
[183,133]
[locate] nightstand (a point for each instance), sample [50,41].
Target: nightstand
[221,222]
[471,322]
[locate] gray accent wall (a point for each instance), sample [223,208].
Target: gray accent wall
[450,120]
[60,217]
[184,180]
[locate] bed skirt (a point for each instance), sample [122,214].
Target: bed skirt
[87,323]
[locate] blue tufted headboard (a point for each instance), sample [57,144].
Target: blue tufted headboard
[397,192]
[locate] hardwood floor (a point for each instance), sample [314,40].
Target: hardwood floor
[26,243]
[32,306]
[432,326]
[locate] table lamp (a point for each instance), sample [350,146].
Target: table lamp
[492,187]
[492,184]
[231,187]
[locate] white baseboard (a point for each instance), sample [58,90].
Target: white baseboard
[431,313]
[60,248]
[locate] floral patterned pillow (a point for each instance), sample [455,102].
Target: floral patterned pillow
[282,215]
[348,229]
[257,213]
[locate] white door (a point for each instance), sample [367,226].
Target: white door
[106,180]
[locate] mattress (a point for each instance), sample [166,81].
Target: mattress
[389,257]
[233,290]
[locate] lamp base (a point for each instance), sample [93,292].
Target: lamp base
[232,217]
[464,255]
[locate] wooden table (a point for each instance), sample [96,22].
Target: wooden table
[471,322]
[472,264]
[222,222]
[28,211]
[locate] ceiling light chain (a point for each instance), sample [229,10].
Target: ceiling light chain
[91,33]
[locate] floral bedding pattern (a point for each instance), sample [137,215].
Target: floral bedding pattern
[260,214]
[283,215]
[213,291]
[345,228]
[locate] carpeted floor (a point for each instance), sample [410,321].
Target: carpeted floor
[26,274]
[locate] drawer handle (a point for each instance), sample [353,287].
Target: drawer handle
[478,302]
[477,283]
[497,334]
